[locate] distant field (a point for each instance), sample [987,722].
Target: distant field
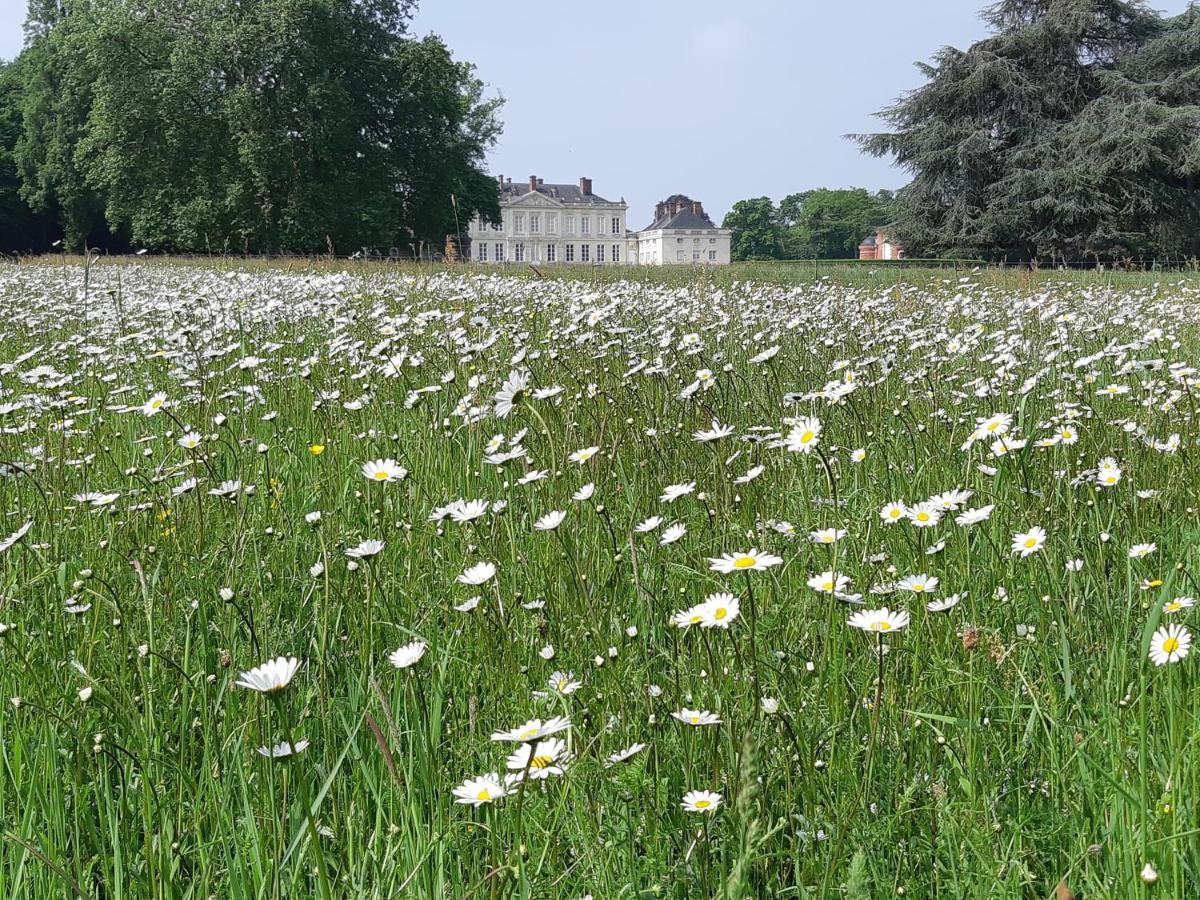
[762,581]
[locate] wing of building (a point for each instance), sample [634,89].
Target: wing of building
[569,224]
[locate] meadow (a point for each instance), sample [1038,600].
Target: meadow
[376,582]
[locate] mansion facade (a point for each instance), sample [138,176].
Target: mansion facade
[569,224]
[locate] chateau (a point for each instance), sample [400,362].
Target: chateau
[569,224]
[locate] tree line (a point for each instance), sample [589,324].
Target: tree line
[254,126]
[1071,132]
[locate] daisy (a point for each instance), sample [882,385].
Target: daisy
[1178,604]
[743,562]
[407,655]
[750,475]
[621,756]
[1141,551]
[550,520]
[365,550]
[1031,541]
[719,610]
[480,573]
[481,790]
[685,618]
[918,584]
[829,582]
[697,717]
[701,801]
[467,605]
[944,604]
[826,535]
[924,515]
[564,683]
[893,512]
[190,441]
[155,404]
[582,456]
[975,516]
[858,455]
[714,433]
[463,511]
[386,470]
[647,525]
[1170,644]
[673,533]
[584,493]
[510,392]
[283,749]
[540,761]
[673,492]
[533,730]
[879,620]
[16,536]
[804,436]
[270,677]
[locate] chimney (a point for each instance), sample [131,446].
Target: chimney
[533,182]
[500,179]
[697,208]
[540,182]
[585,186]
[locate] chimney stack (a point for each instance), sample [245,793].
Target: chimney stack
[698,208]
[500,180]
[533,182]
[540,182]
[585,186]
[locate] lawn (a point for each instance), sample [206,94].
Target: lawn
[371,581]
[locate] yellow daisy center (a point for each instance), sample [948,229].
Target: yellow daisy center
[1170,645]
[381,476]
[922,517]
[744,562]
[695,720]
[827,585]
[806,437]
[703,804]
[1030,542]
[720,613]
[885,626]
[484,796]
[529,733]
[155,404]
[918,588]
[540,762]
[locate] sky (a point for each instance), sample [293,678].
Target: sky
[715,99]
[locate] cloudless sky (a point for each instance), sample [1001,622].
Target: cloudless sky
[713,99]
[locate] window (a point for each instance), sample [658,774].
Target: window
[482,253]
[677,240]
[616,225]
[519,252]
[585,251]
[695,240]
[616,253]
[696,256]
[712,240]
[551,223]
[552,253]
[599,253]
[679,255]
[585,225]
[569,224]
[519,223]
[712,255]
[499,253]
[570,253]
[535,223]
[496,226]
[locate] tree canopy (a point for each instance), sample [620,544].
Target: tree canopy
[1071,132]
[273,125]
[817,224]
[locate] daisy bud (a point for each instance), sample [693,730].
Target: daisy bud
[1149,874]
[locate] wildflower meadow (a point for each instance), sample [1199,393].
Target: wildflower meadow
[392,583]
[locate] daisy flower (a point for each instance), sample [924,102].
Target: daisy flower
[944,604]
[697,717]
[673,533]
[893,512]
[673,492]
[1179,604]
[1141,551]
[481,790]
[621,756]
[271,677]
[826,535]
[283,749]
[804,436]
[879,620]
[918,584]
[564,683]
[743,562]
[829,582]
[540,760]
[1170,644]
[975,516]
[715,433]
[550,520]
[924,515]
[582,456]
[719,610]
[533,730]
[155,404]
[385,470]
[584,493]
[480,573]
[701,801]
[1029,542]
[648,524]
[366,549]
[408,655]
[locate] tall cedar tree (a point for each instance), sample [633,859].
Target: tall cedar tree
[1071,132]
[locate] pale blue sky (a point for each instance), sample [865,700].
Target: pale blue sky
[708,98]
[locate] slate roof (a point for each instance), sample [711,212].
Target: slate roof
[685,218]
[564,193]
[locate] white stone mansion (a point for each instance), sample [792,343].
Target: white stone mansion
[568,224]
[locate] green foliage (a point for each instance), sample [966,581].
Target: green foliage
[19,228]
[757,232]
[830,224]
[281,125]
[1071,132]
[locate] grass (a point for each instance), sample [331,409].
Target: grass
[1018,744]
